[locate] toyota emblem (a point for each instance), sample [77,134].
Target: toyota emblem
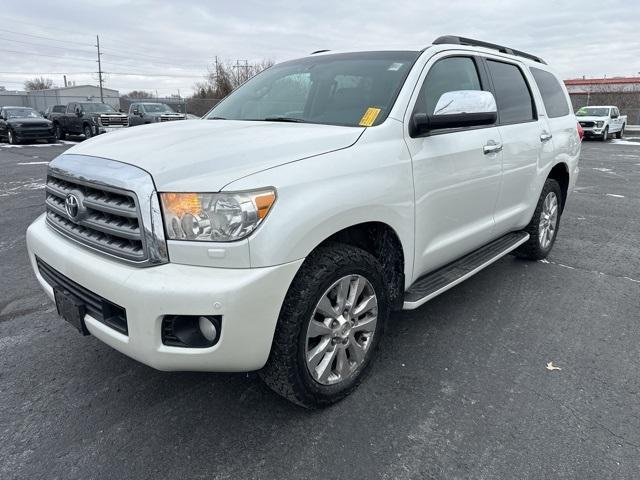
[72,206]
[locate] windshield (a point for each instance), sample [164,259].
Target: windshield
[157,108]
[343,89]
[593,112]
[97,108]
[22,113]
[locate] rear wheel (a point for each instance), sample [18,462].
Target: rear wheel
[329,327]
[543,227]
[620,134]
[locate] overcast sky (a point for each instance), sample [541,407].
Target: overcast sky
[180,39]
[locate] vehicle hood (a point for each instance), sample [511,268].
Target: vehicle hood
[591,118]
[28,120]
[206,155]
[166,114]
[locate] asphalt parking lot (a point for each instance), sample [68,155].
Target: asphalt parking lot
[460,388]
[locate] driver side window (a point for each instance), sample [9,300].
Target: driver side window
[447,75]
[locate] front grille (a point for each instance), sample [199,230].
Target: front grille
[44,125]
[35,133]
[170,118]
[108,218]
[101,309]
[114,121]
[588,124]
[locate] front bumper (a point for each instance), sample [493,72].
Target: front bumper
[33,133]
[248,300]
[592,131]
[106,129]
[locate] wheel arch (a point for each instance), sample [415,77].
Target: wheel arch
[560,173]
[383,242]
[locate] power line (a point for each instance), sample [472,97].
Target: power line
[43,37]
[43,45]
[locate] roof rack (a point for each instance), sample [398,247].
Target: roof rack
[454,40]
[320,51]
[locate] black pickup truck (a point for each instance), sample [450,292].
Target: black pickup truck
[88,119]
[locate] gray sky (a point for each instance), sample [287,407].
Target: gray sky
[180,38]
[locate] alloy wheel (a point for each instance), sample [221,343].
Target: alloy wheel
[341,329]
[548,220]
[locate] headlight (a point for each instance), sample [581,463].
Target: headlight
[215,217]
[599,124]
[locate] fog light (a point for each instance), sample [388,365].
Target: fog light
[192,331]
[207,328]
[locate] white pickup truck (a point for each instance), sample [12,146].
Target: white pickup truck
[602,121]
[278,233]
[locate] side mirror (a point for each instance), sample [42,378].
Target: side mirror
[457,109]
[78,112]
[614,115]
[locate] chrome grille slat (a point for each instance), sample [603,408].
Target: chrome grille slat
[110,220]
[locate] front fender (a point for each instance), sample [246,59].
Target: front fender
[370,181]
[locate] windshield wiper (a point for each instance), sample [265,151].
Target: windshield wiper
[284,119]
[216,118]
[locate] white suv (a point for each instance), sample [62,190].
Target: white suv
[278,233]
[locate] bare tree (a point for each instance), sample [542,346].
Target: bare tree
[224,77]
[38,83]
[138,94]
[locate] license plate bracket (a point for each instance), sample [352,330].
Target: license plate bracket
[71,308]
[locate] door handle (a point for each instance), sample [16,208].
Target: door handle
[492,147]
[545,136]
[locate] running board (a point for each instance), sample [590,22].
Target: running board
[433,284]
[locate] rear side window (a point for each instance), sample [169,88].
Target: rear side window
[515,104]
[447,75]
[59,109]
[555,102]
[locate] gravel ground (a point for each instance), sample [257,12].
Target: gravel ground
[460,388]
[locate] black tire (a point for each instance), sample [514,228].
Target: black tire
[533,249]
[87,130]
[620,134]
[605,135]
[11,137]
[286,371]
[58,132]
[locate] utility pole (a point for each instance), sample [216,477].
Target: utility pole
[99,67]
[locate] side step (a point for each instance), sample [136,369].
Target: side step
[439,281]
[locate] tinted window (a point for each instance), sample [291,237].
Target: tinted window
[512,93]
[335,89]
[58,109]
[447,75]
[555,102]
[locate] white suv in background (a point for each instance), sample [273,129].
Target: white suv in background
[278,234]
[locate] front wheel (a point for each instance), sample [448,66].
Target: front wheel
[605,135]
[543,227]
[88,131]
[329,327]
[620,134]
[58,132]
[13,140]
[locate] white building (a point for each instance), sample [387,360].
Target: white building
[41,99]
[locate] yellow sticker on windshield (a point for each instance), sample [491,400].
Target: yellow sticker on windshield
[369,117]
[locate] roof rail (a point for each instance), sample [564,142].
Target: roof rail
[454,40]
[320,51]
